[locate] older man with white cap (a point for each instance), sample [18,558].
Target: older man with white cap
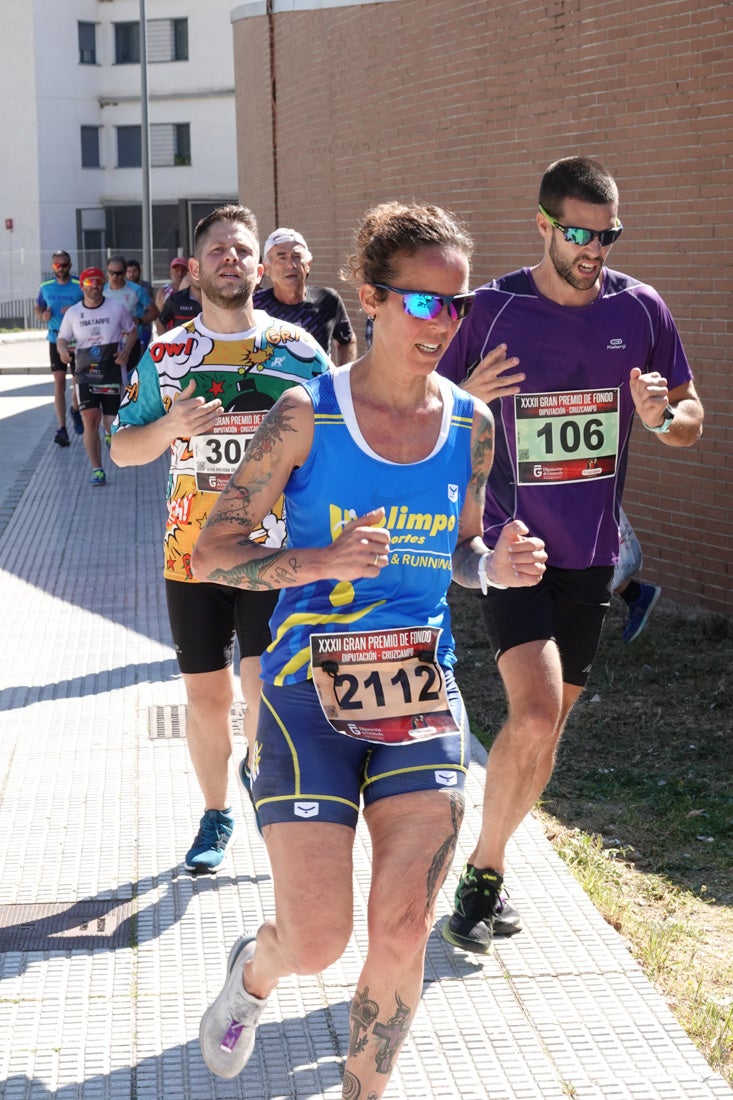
[319,310]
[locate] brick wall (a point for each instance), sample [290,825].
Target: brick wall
[464,103]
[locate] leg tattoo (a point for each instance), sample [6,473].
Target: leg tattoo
[363,1014]
[444,855]
[352,1088]
[392,1035]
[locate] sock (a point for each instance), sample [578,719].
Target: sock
[631,593]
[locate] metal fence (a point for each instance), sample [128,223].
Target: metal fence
[16,305]
[18,286]
[19,314]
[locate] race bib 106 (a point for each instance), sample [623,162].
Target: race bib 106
[563,437]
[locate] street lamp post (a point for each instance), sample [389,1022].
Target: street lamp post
[147,235]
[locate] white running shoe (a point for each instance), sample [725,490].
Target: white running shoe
[227,1031]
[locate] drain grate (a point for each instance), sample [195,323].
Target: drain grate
[169,722]
[52,926]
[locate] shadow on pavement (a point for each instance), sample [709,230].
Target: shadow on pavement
[17,696]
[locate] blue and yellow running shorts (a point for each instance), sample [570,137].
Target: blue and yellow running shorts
[304,770]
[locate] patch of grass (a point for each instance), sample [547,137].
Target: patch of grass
[640,805]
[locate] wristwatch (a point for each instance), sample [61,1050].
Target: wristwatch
[666,422]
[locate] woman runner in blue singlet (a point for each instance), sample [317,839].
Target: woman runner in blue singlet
[383,466]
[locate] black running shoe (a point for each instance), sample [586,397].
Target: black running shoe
[507,921]
[471,925]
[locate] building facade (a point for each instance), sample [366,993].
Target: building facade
[465,103]
[70,84]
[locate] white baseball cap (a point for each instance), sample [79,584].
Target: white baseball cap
[284,236]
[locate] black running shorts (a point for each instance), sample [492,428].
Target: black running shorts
[205,618]
[568,605]
[57,362]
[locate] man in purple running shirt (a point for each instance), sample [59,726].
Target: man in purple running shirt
[565,353]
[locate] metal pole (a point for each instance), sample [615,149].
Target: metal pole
[23,289]
[10,272]
[147,253]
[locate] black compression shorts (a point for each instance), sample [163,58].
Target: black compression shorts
[104,396]
[206,617]
[568,605]
[57,362]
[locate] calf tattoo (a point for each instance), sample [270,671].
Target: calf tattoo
[363,1014]
[444,855]
[390,1035]
[352,1088]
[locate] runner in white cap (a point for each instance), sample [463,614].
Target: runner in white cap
[319,310]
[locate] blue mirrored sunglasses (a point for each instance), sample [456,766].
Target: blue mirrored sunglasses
[426,306]
[575,235]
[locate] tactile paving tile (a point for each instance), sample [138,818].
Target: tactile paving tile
[165,722]
[97,810]
[82,926]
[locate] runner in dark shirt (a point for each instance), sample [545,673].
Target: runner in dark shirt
[319,310]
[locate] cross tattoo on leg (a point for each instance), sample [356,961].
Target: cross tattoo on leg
[392,1033]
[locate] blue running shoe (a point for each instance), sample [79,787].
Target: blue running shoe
[77,421]
[98,477]
[640,610]
[246,776]
[206,854]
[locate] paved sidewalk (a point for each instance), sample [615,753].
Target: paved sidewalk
[24,352]
[109,951]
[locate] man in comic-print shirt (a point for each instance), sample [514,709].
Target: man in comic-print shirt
[202,389]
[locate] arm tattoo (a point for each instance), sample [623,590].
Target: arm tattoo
[482,455]
[444,855]
[236,501]
[261,574]
[273,427]
[234,504]
[465,565]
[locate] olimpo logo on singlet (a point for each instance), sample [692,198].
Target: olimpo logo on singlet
[403,525]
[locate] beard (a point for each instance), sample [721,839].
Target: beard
[567,271]
[229,296]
